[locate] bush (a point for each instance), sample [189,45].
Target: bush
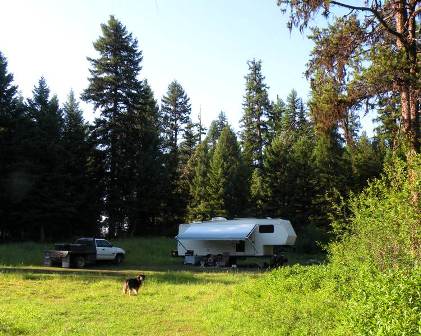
[370,287]
[383,303]
[384,229]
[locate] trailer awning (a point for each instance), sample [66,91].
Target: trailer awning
[217,231]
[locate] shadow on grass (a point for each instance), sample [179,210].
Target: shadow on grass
[175,277]
[185,278]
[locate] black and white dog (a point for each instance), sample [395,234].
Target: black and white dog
[132,285]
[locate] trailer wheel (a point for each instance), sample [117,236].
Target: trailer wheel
[80,262]
[118,259]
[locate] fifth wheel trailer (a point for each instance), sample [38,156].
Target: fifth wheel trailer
[242,237]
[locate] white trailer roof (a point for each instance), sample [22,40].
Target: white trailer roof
[217,231]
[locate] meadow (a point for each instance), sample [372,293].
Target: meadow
[170,303]
[37,300]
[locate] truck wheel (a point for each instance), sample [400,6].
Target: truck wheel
[118,259]
[80,262]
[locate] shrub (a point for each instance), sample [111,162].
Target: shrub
[384,229]
[370,287]
[383,303]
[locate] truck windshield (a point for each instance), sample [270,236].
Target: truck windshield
[84,241]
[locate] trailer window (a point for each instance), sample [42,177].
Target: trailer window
[266,229]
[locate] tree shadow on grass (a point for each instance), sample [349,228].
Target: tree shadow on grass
[176,277]
[185,278]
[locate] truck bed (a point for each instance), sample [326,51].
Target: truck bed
[76,248]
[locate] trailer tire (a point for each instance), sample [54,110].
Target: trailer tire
[118,259]
[80,262]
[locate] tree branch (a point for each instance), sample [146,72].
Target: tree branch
[375,13]
[415,13]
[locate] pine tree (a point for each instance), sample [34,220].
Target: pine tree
[258,193]
[332,172]
[277,177]
[189,143]
[147,166]
[301,119]
[366,162]
[14,124]
[115,90]
[215,129]
[201,130]
[199,165]
[175,114]
[46,199]
[256,108]
[81,211]
[226,179]
[292,109]
[175,110]
[275,118]
[289,176]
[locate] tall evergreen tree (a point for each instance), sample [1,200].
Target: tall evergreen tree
[332,172]
[199,165]
[201,130]
[14,182]
[258,193]
[366,161]
[46,200]
[288,179]
[256,108]
[189,143]
[82,209]
[114,89]
[226,180]
[175,114]
[216,128]
[275,118]
[175,111]
[147,165]
[277,177]
[290,117]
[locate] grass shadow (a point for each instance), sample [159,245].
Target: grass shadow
[186,278]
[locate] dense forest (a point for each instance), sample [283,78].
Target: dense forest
[142,167]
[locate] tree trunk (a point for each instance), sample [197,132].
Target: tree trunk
[405,25]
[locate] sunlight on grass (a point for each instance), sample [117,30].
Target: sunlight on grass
[170,303]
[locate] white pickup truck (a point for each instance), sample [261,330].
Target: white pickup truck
[82,252]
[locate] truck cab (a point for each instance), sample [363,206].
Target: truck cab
[104,249]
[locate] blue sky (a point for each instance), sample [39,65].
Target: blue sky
[203,44]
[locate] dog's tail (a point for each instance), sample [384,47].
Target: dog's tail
[125,287]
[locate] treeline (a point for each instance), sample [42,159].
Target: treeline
[141,168]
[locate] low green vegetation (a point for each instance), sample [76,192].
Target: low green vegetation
[321,300]
[371,286]
[22,254]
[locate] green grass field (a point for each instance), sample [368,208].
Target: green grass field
[176,299]
[171,303]
[37,300]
